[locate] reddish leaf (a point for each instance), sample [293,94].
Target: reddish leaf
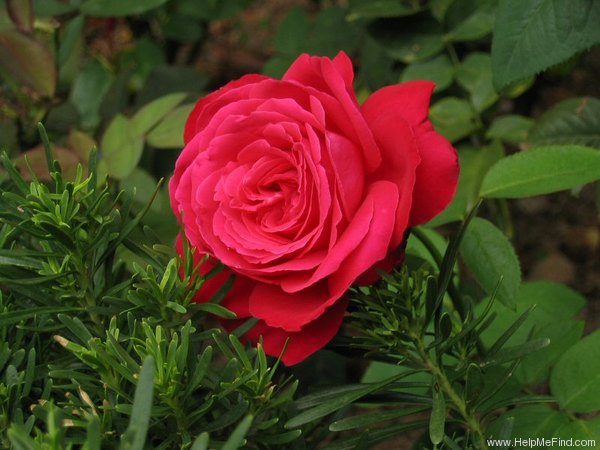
[81,144]
[21,13]
[36,158]
[28,61]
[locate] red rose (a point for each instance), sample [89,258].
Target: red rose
[300,191]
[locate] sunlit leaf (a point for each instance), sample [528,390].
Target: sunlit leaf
[542,170]
[121,147]
[169,132]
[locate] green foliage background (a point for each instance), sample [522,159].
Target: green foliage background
[101,345]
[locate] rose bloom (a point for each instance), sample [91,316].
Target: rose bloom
[301,192]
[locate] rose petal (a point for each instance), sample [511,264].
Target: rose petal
[334,77]
[401,155]
[304,342]
[195,120]
[437,176]
[409,100]
[437,173]
[349,172]
[376,243]
[358,249]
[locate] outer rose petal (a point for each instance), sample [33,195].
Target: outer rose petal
[191,125]
[401,154]
[303,343]
[437,175]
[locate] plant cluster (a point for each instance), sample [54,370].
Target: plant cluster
[101,340]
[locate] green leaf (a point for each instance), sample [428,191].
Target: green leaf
[327,34]
[109,8]
[371,437]
[372,9]
[554,301]
[334,399]
[579,429]
[144,185]
[291,32]
[518,351]
[575,380]
[415,245]
[491,258]
[72,38]
[563,334]
[453,118]
[28,61]
[162,79]
[439,8]
[182,29]
[8,318]
[573,121]
[437,419]
[331,32]
[475,76]
[368,419]
[121,147]
[505,432]
[476,20]
[277,66]
[541,171]
[509,333]
[216,309]
[152,113]
[229,417]
[88,91]
[47,8]
[209,10]
[530,36]
[530,421]
[408,40]
[169,132]
[135,435]
[280,438]
[439,70]
[510,128]
[555,306]
[237,437]
[77,327]
[93,435]
[201,442]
